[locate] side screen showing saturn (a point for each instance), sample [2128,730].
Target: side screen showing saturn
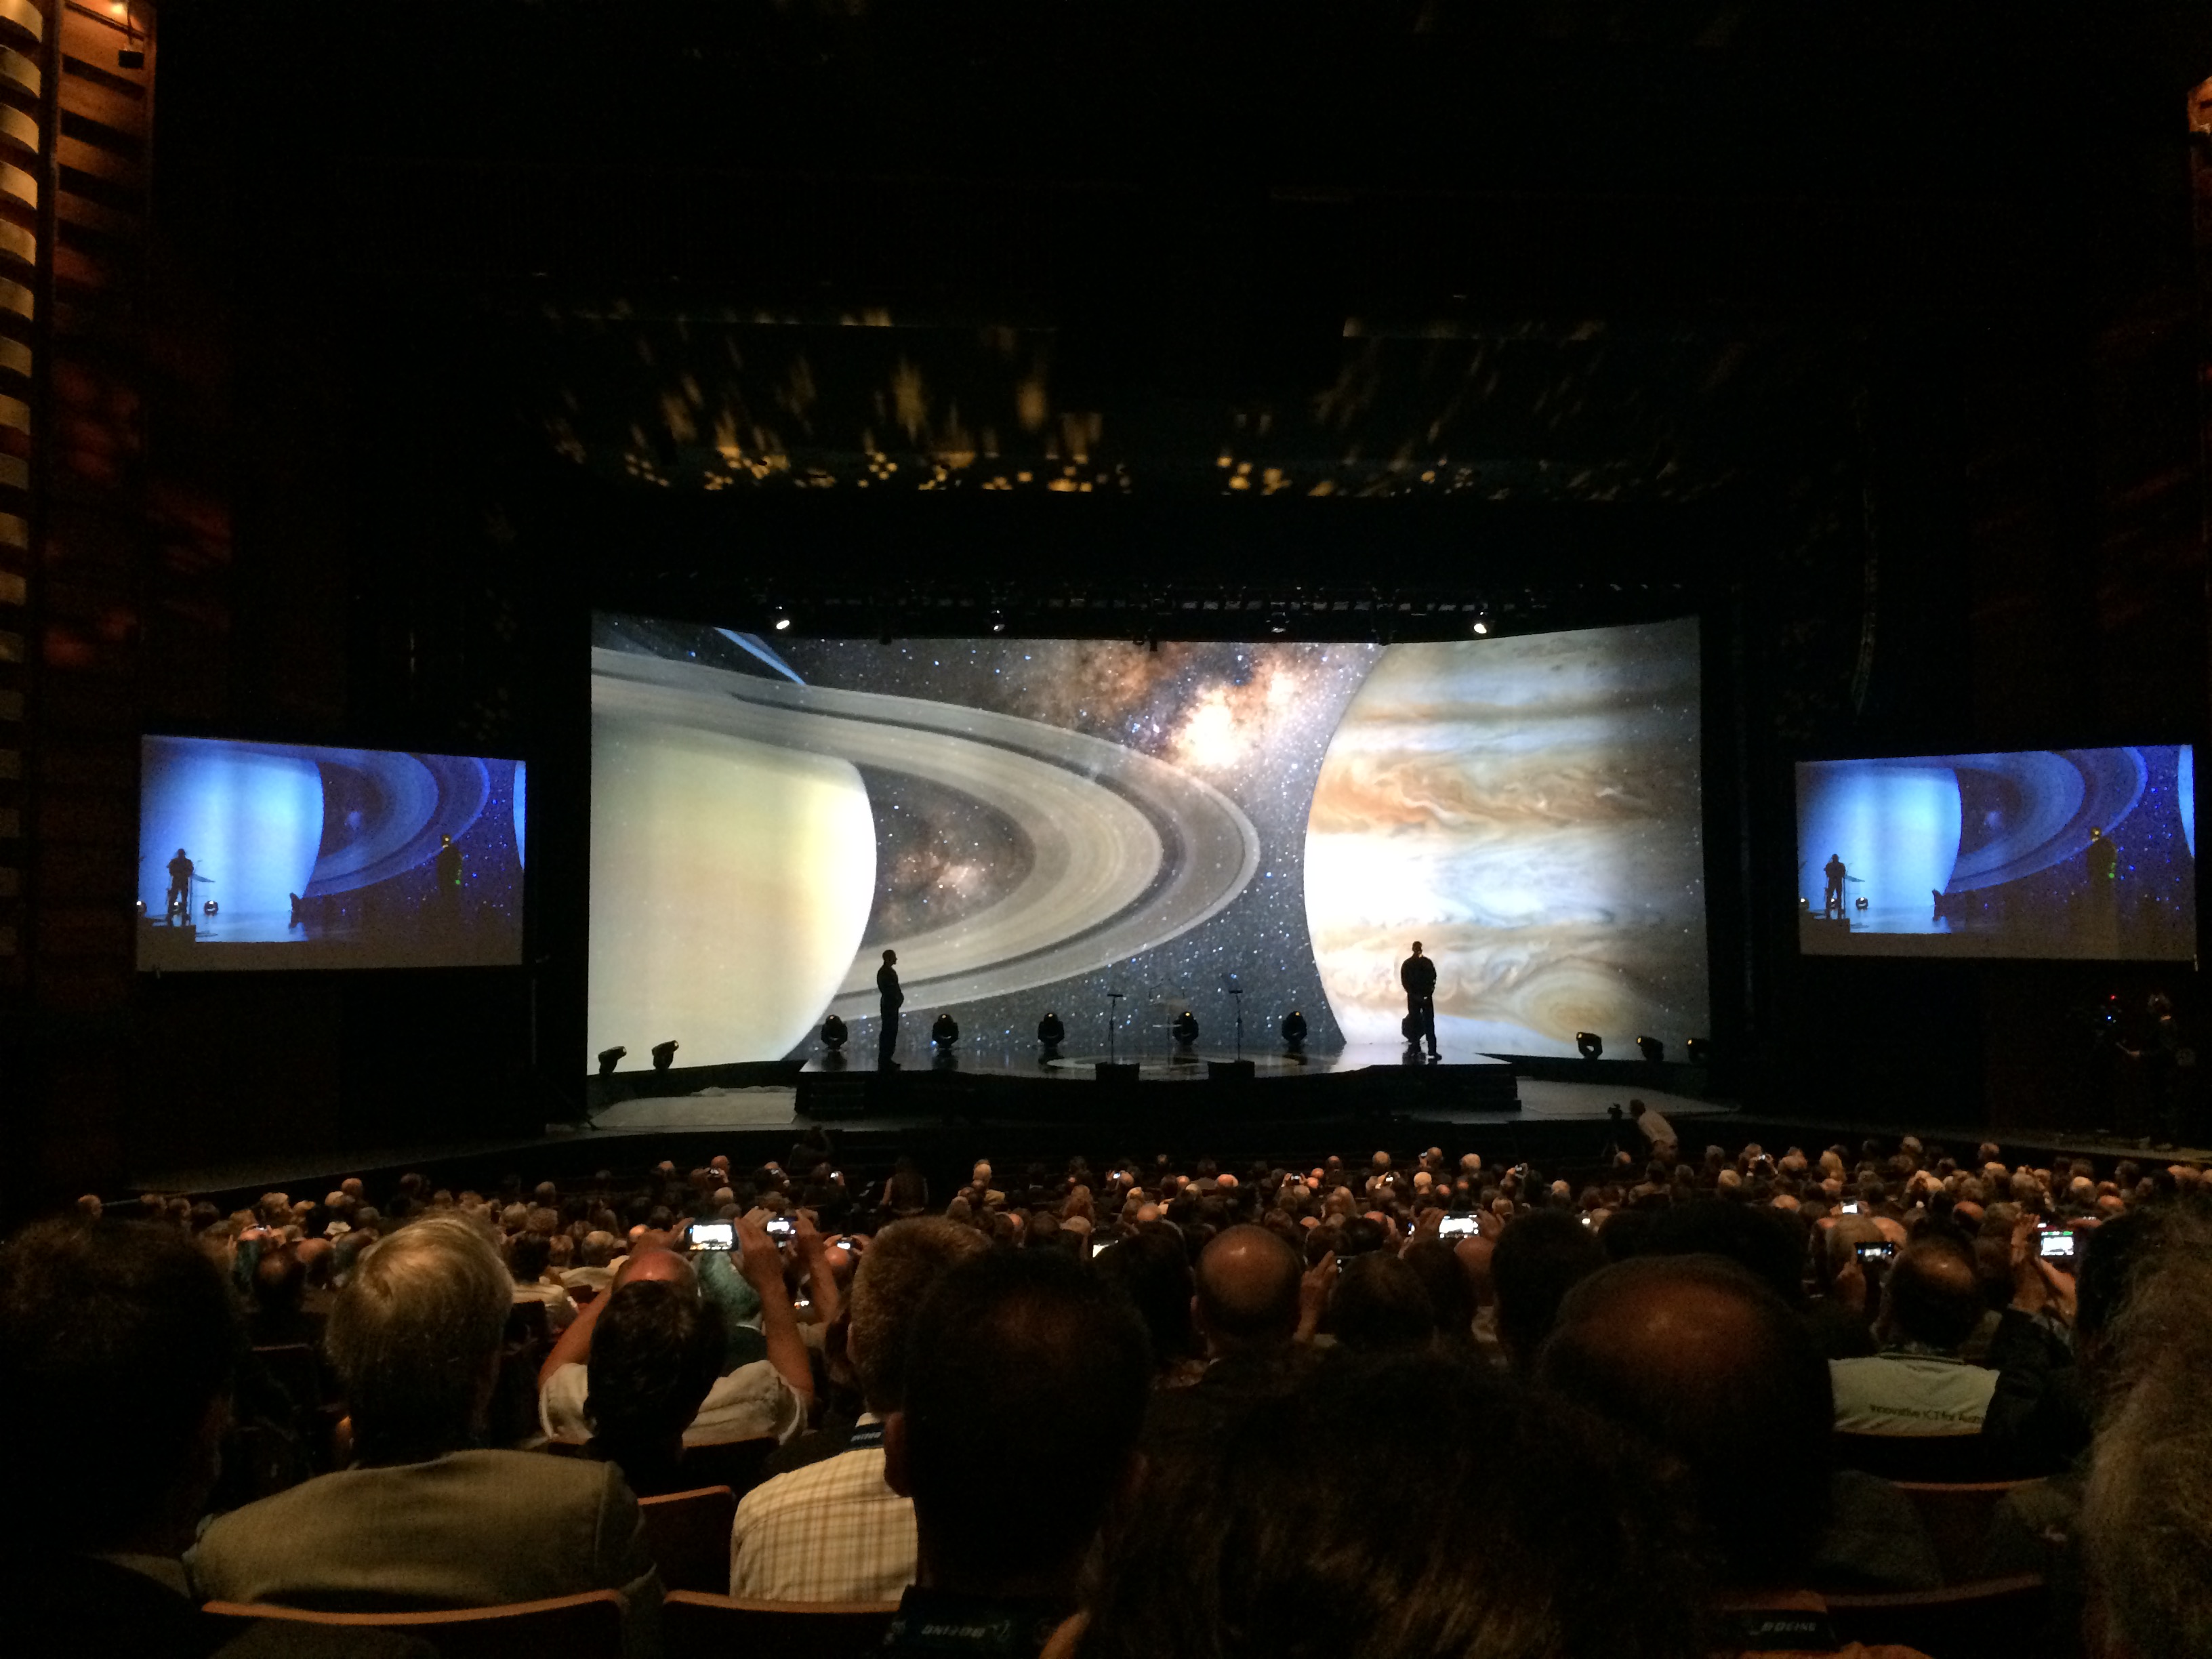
[1134,841]
[2087,852]
[279,855]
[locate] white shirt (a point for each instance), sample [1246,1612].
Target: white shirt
[829,1532]
[1913,1394]
[1656,1129]
[751,1403]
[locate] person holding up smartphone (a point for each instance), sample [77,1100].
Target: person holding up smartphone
[758,1398]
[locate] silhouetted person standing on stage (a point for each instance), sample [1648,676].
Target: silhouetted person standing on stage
[1832,902]
[1418,975]
[448,870]
[2102,858]
[180,887]
[887,987]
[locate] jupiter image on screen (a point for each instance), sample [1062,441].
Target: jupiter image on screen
[1218,828]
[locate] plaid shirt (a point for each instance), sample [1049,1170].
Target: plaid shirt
[829,1532]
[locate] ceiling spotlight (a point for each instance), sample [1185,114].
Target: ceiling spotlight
[997,621]
[1591,1045]
[780,620]
[611,1058]
[1278,621]
[1482,619]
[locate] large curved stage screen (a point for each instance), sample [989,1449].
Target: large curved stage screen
[1032,824]
[283,855]
[2060,853]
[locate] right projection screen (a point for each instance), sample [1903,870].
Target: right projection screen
[1229,829]
[2078,853]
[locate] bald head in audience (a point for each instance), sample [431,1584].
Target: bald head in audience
[1246,1291]
[1706,1360]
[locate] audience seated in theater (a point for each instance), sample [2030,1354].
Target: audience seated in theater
[760,1399]
[656,1354]
[2147,1516]
[833,1531]
[425,1518]
[1457,1515]
[1020,1366]
[1708,1363]
[117,1343]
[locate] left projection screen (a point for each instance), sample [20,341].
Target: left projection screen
[256,855]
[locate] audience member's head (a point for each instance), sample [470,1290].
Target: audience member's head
[1379,1304]
[1697,1354]
[117,1344]
[1247,1295]
[528,1257]
[2148,1507]
[1451,1286]
[1151,1268]
[1239,1553]
[902,1266]
[1934,1296]
[415,1338]
[1020,1366]
[655,1352]
[1539,1259]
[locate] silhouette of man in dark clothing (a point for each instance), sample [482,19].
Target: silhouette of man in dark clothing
[180,887]
[448,871]
[1831,903]
[2102,857]
[1418,975]
[887,987]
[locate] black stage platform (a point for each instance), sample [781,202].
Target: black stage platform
[1094,1088]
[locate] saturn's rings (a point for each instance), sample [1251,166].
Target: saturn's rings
[1129,853]
[408,803]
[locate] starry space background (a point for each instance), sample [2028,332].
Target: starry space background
[1253,719]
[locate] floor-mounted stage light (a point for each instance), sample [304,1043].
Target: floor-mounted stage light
[1697,1051]
[611,1058]
[945,1032]
[833,1034]
[1185,1028]
[1590,1044]
[663,1055]
[210,908]
[1654,1050]
[1051,1033]
[1294,1030]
